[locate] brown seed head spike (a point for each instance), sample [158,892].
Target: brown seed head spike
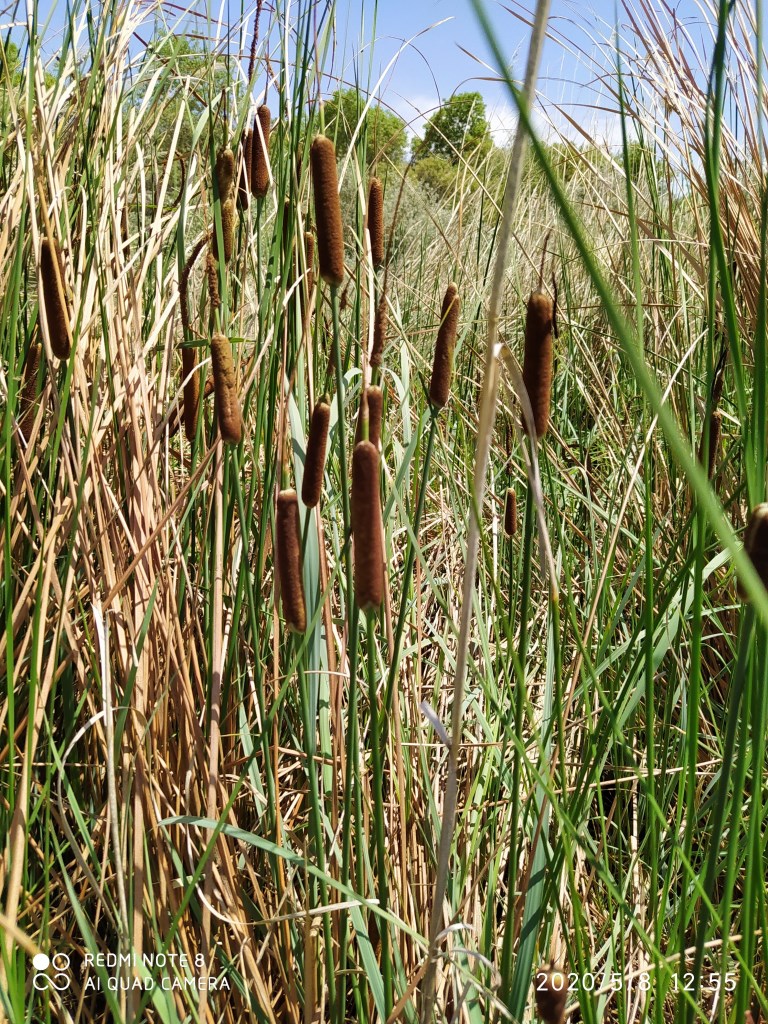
[510,513]
[442,367]
[756,544]
[227,230]
[379,331]
[225,386]
[288,531]
[191,392]
[374,401]
[27,401]
[366,526]
[376,221]
[225,173]
[314,462]
[260,152]
[330,234]
[244,181]
[537,363]
[551,988]
[56,312]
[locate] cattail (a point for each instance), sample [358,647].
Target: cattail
[442,367]
[373,403]
[309,254]
[244,181]
[260,152]
[551,988]
[510,513]
[56,312]
[330,234]
[225,386]
[212,275]
[179,415]
[379,331]
[29,389]
[191,392]
[225,172]
[756,544]
[288,533]
[376,221]
[366,526]
[314,462]
[537,364]
[715,431]
[227,230]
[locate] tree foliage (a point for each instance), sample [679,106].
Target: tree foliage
[385,132]
[458,127]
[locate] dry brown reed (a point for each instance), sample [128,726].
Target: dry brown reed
[537,362]
[376,221]
[314,462]
[260,152]
[366,526]
[510,513]
[330,234]
[54,299]
[225,386]
[442,367]
[288,544]
[551,988]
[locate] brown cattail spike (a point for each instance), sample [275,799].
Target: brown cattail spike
[54,300]
[227,230]
[314,462]
[756,544]
[537,363]
[376,221]
[510,513]
[225,173]
[288,531]
[225,386]
[330,234]
[366,526]
[244,181]
[27,403]
[379,331]
[374,401]
[551,988]
[260,152]
[442,367]
[191,392]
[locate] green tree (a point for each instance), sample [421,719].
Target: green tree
[459,126]
[386,138]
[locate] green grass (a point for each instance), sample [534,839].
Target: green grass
[178,773]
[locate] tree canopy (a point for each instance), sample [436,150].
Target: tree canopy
[385,132]
[459,126]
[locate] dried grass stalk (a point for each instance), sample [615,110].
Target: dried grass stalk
[330,234]
[537,363]
[314,463]
[260,152]
[288,542]
[225,386]
[510,513]
[442,366]
[54,299]
[366,526]
[376,221]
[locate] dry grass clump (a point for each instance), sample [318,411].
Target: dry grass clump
[288,544]
[225,386]
[330,234]
[367,527]
[260,152]
[537,363]
[54,299]
[442,366]
[376,221]
[314,462]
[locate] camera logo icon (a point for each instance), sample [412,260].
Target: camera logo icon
[43,979]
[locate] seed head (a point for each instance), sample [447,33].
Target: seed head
[289,573]
[366,526]
[537,363]
[54,299]
[225,386]
[551,987]
[510,513]
[27,402]
[314,462]
[212,275]
[244,181]
[227,230]
[442,367]
[379,331]
[376,220]
[225,173]
[260,152]
[756,544]
[372,407]
[191,392]
[330,234]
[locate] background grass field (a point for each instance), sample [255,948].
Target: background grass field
[181,775]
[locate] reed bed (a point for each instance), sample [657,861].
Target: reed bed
[230,718]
